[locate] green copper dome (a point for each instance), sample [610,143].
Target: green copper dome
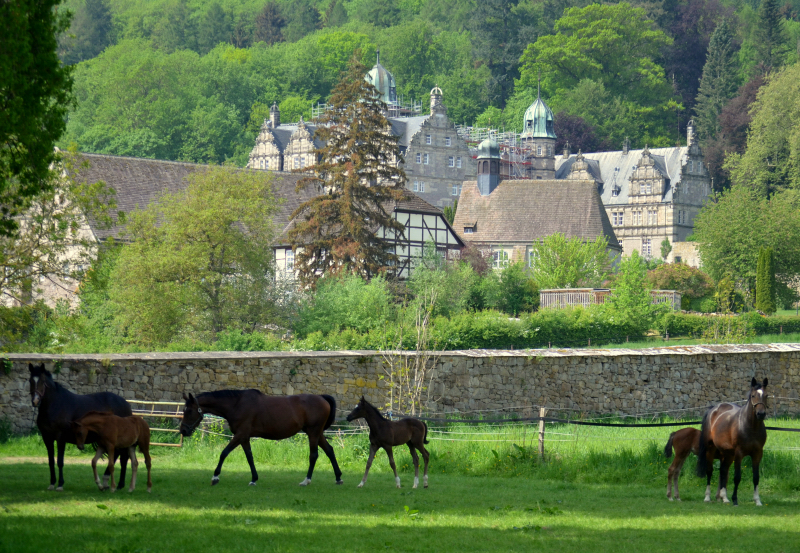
[380,78]
[489,149]
[538,121]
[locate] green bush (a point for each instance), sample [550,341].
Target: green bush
[236,340]
[682,324]
[707,305]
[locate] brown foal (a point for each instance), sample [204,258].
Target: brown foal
[385,434]
[115,433]
[684,441]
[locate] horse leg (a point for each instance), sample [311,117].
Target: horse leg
[110,471]
[373,449]
[737,477]
[415,458]
[724,469]
[61,446]
[134,468]
[756,498]
[235,441]
[709,474]
[390,454]
[425,457]
[313,454]
[123,463]
[673,474]
[328,449]
[249,454]
[97,455]
[49,443]
[145,449]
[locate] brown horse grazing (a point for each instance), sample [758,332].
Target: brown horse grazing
[685,441]
[115,433]
[386,434]
[731,433]
[251,414]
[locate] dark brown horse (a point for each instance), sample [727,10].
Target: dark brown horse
[732,433]
[251,414]
[115,433]
[58,407]
[684,441]
[386,434]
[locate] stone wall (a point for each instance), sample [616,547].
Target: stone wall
[599,381]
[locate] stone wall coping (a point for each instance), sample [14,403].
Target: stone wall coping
[483,353]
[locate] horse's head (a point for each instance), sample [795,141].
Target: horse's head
[80,432]
[758,398]
[359,410]
[40,380]
[192,415]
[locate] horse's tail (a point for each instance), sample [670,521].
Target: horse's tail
[702,464]
[668,448]
[425,437]
[332,415]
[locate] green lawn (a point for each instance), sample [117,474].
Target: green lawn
[601,489]
[788,338]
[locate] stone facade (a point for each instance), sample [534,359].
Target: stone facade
[594,381]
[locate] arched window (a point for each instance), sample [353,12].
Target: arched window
[485,167]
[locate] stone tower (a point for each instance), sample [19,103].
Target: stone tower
[539,139]
[488,166]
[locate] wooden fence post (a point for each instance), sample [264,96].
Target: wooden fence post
[542,413]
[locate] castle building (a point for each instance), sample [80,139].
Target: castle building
[648,195]
[435,159]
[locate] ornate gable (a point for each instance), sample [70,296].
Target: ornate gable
[265,154]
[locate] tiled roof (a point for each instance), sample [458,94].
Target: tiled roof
[521,211]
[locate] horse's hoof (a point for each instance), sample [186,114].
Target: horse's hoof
[425,485]
[758,504]
[252,484]
[306,482]
[669,498]
[149,490]
[60,489]
[51,487]
[339,482]
[360,485]
[707,500]
[215,481]
[677,499]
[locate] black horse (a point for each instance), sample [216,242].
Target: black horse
[58,407]
[251,414]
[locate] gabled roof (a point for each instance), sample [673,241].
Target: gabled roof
[616,167]
[522,211]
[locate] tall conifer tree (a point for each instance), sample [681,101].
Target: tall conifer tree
[337,232]
[771,42]
[765,281]
[718,83]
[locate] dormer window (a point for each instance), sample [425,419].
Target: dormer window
[615,191]
[447,141]
[428,139]
[470,229]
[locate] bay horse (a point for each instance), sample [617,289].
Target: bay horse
[251,414]
[731,433]
[386,434]
[58,407]
[115,433]
[684,441]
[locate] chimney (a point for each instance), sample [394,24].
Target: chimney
[690,133]
[275,115]
[626,146]
[566,150]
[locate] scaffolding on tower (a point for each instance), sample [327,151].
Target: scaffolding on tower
[514,153]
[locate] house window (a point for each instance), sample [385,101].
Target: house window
[302,161]
[647,248]
[296,162]
[652,217]
[691,166]
[447,141]
[427,159]
[428,139]
[699,166]
[469,230]
[615,191]
[451,161]
[637,217]
[616,218]
[266,164]
[419,158]
[416,186]
[458,162]
[538,149]
[499,259]
[549,150]
[677,259]
[289,260]
[531,257]
[421,186]
[648,189]
[456,190]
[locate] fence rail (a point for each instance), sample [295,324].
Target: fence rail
[175,413]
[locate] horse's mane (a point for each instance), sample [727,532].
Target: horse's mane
[374,409]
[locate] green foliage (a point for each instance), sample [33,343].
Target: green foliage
[770,37]
[35,95]
[513,291]
[559,262]
[440,288]
[200,260]
[347,302]
[690,282]
[236,340]
[666,248]
[765,282]
[450,212]
[718,83]
[89,32]
[615,46]
[631,300]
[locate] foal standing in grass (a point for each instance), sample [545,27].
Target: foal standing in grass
[385,434]
[115,433]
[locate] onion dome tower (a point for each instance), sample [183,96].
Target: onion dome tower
[488,166]
[436,100]
[539,139]
[380,78]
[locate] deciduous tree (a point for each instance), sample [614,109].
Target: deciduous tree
[561,262]
[337,232]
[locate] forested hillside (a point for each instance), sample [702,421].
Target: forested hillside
[192,80]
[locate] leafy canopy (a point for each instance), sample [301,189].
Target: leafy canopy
[340,231]
[561,262]
[200,259]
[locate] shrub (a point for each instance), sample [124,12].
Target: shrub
[690,282]
[236,340]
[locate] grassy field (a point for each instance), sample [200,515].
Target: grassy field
[788,338]
[600,489]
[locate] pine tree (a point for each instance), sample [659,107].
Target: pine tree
[765,281]
[89,33]
[214,27]
[718,83]
[336,232]
[760,284]
[770,37]
[269,24]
